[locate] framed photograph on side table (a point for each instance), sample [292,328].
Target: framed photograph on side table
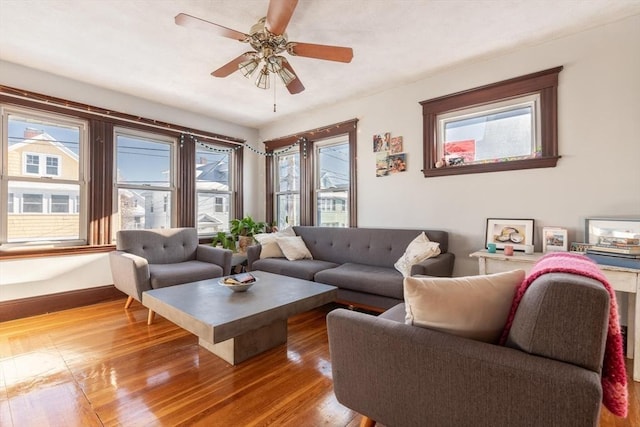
[554,239]
[507,231]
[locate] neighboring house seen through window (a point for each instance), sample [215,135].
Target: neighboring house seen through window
[332,182]
[287,188]
[145,180]
[214,185]
[43,178]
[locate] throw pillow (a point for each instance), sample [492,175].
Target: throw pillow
[418,250]
[294,248]
[269,242]
[473,307]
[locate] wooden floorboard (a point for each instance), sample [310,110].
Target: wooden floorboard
[100,365]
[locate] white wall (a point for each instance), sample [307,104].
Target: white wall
[21,278]
[41,276]
[599,128]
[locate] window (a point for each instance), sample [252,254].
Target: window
[45,170]
[287,188]
[32,203]
[52,166]
[59,203]
[505,126]
[214,188]
[32,164]
[144,171]
[41,164]
[332,182]
[311,177]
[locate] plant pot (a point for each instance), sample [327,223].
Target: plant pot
[243,243]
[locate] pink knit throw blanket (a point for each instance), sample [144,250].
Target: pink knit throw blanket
[614,377]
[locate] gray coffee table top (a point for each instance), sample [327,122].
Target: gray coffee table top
[216,313]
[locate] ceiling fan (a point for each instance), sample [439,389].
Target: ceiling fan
[268,40]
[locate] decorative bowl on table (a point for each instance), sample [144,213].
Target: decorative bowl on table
[236,285]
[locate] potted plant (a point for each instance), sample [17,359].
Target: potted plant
[227,241]
[244,229]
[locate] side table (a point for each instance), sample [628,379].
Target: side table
[621,279]
[238,263]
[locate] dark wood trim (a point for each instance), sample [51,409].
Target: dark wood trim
[312,135]
[238,184]
[24,253]
[270,168]
[100,188]
[353,178]
[186,185]
[307,211]
[543,82]
[306,139]
[39,101]
[42,304]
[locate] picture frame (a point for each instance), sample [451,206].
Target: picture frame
[554,239]
[605,230]
[509,231]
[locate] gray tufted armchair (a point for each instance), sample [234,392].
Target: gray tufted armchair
[151,259]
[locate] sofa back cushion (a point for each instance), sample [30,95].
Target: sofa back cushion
[565,317]
[159,246]
[370,246]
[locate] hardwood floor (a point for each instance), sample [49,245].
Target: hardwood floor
[101,366]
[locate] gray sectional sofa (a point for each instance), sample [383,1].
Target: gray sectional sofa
[359,261]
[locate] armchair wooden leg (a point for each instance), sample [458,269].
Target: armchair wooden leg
[128,303]
[367,422]
[150,317]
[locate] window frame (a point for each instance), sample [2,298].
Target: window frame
[330,142]
[306,140]
[170,187]
[53,118]
[291,192]
[543,83]
[97,195]
[231,193]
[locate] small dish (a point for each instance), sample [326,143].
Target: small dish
[236,288]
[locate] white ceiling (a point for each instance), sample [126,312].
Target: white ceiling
[133,46]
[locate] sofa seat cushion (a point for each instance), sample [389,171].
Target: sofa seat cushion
[162,275]
[364,278]
[302,268]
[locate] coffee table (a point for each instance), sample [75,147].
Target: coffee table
[238,325]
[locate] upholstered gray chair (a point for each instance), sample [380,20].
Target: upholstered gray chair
[151,259]
[548,374]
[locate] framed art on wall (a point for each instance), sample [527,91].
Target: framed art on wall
[507,231]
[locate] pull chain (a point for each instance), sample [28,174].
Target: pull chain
[274,92]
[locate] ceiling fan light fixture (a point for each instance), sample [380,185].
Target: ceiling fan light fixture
[286,76]
[263,78]
[247,68]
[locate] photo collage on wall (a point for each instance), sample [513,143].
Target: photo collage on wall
[390,156]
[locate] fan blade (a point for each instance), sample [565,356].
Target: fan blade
[231,66]
[278,15]
[192,22]
[321,51]
[296,85]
